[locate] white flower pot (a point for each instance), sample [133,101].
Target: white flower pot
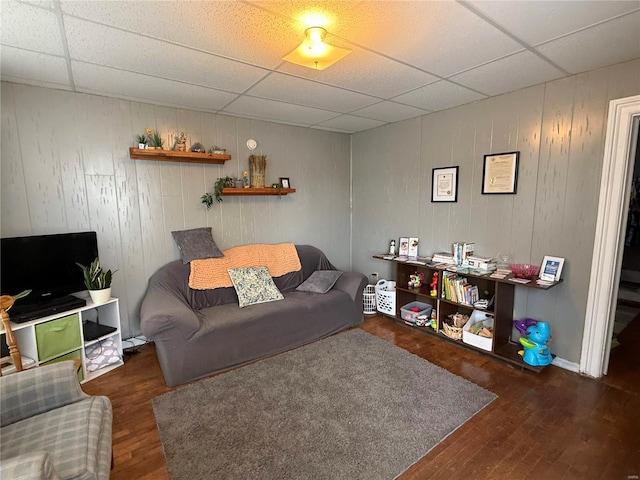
[142,146]
[100,296]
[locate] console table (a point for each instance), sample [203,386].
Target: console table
[59,337]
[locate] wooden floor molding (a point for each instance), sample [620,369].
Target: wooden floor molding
[551,425]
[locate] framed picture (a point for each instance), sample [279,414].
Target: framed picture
[284,182]
[444,186]
[500,173]
[413,246]
[403,249]
[551,268]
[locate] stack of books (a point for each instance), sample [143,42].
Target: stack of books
[442,257]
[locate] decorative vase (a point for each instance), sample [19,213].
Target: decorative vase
[100,296]
[239,183]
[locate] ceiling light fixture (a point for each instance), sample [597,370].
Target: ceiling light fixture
[314,53]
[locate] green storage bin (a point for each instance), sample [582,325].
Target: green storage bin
[69,356]
[58,337]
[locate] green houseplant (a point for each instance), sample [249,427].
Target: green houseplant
[220,184]
[97,281]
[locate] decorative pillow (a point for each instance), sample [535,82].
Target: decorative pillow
[254,285]
[320,281]
[196,243]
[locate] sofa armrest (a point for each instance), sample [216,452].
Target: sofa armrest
[38,390]
[162,316]
[352,283]
[29,466]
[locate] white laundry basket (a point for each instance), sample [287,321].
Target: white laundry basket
[386,296]
[369,300]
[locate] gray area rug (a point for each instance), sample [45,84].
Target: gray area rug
[351,406]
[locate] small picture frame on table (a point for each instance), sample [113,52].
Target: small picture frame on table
[403,249]
[284,182]
[444,184]
[551,268]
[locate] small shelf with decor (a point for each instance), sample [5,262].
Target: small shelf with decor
[230,191]
[175,156]
[451,298]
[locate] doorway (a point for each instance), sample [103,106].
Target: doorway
[623,369]
[621,133]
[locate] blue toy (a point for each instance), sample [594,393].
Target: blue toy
[536,352]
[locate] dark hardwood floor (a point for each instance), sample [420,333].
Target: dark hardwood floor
[551,425]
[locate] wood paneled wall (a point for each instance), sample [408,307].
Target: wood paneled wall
[66,167]
[559,129]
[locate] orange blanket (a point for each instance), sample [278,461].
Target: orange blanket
[210,273]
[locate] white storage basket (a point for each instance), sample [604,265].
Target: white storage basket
[369,299]
[386,296]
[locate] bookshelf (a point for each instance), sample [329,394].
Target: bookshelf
[452,297]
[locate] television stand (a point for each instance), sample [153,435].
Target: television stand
[25,313]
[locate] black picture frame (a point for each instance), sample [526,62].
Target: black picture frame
[500,173]
[444,184]
[284,182]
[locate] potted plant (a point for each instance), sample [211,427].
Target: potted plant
[156,140]
[220,184]
[142,141]
[97,281]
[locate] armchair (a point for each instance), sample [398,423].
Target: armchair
[51,429]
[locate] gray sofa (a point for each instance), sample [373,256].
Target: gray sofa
[51,429]
[200,332]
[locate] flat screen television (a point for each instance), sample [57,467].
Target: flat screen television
[46,264]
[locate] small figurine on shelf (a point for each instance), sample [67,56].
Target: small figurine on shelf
[392,247]
[181,143]
[434,285]
[245,179]
[415,280]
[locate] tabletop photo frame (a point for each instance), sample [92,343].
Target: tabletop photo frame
[551,268]
[444,184]
[284,182]
[500,173]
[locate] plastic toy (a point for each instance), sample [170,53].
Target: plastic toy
[434,285]
[416,280]
[522,325]
[536,352]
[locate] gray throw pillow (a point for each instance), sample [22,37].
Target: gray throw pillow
[320,281]
[196,243]
[254,285]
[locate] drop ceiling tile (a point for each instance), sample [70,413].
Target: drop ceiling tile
[439,96]
[609,43]
[33,68]
[508,74]
[121,84]
[107,46]
[537,22]
[442,38]
[311,94]
[232,29]
[365,72]
[351,123]
[277,111]
[390,112]
[31,28]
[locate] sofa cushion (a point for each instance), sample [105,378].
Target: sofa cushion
[81,424]
[320,281]
[196,243]
[254,285]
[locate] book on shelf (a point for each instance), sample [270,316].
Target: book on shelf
[458,289]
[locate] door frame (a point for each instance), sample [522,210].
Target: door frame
[609,236]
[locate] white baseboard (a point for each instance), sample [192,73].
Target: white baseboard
[566,364]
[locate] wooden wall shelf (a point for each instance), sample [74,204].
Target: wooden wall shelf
[173,156]
[257,191]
